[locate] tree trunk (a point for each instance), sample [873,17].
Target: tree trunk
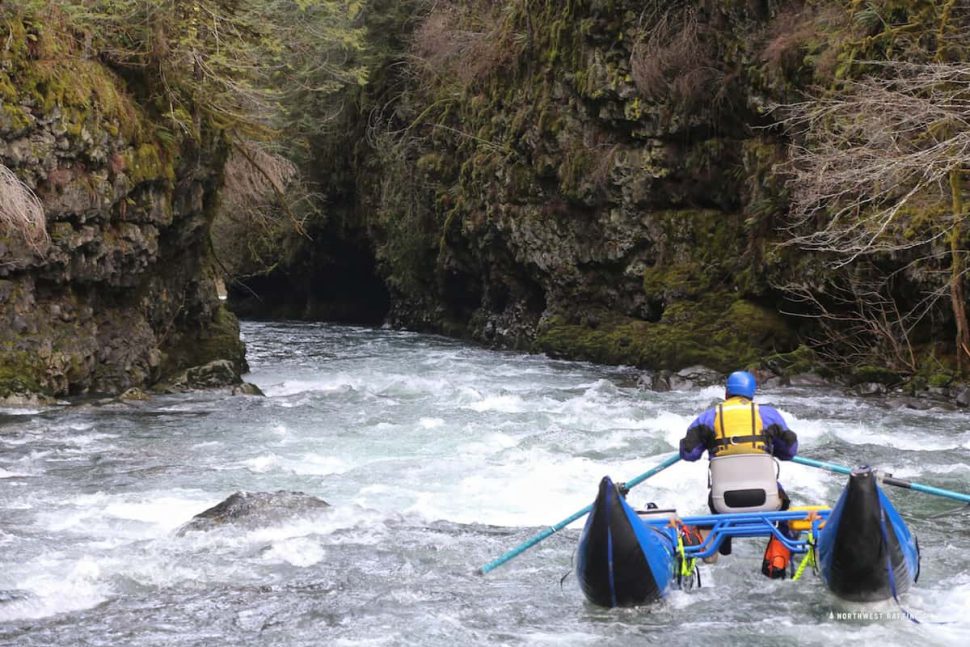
[957,293]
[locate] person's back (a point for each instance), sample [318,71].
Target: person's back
[738,427]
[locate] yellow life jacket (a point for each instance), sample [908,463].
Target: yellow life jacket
[738,428]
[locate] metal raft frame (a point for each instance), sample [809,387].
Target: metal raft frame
[739,524]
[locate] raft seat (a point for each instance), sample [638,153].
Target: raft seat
[744,483]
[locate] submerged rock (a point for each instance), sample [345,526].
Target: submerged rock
[693,377]
[13,595]
[25,400]
[133,394]
[808,379]
[249,510]
[869,388]
[963,397]
[214,375]
[658,381]
[907,402]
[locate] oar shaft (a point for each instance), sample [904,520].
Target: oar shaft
[889,480]
[928,489]
[532,541]
[832,467]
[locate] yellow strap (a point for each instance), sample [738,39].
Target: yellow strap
[808,558]
[685,569]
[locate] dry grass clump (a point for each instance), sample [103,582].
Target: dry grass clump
[805,33]
[463,43]
[253,178]
[21,214]
[674,60]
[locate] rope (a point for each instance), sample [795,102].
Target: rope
[687,566]
[809,558]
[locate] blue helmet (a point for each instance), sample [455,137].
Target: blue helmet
[741,383]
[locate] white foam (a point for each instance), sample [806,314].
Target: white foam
[152,513]
[58,585]
[20,411]
[910,441]
[166,513]
[311,464]
[489,443]
[263,463]
[502,403]
[298,551]
[947,612]
[339,383]
[85,440]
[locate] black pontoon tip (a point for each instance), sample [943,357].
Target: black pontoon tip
[859,546]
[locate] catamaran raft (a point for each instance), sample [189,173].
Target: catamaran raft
[861,547]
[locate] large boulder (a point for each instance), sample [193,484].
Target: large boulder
[249,510]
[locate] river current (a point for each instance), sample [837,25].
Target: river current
[436,457]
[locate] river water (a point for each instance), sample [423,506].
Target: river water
[436,457]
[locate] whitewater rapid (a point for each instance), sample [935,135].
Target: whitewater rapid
[436,457]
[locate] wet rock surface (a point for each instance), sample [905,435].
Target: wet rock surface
[216,374]
[248,510]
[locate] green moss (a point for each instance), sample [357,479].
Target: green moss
[939,379]
[41,71]
[20,372]
[15,117]
[736,334]
[431,163]
[148,163]
[801,360]
[633,110]
[218,340]
[879,374]
[686,279]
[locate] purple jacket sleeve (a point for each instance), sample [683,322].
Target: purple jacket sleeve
[699,435]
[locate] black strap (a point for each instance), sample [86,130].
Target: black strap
[737,440]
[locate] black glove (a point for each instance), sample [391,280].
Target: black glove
[786,436]
[622,489]
[699,435]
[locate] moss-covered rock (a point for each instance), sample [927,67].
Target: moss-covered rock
[19,373]
[214,340]
[799,361]
[867,374]
[127,205]
[735,334]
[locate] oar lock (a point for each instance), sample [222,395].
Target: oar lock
[866,470]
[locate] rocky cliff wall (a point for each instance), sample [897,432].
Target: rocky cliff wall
[123,293]
[604,179]
[585,178]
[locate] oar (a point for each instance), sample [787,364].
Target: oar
[529,543]
[909,485]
